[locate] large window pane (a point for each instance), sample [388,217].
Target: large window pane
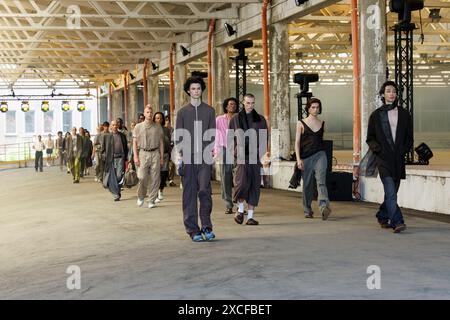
[86,120]
[11,122]
[29,122]
[67,121]
[48,122]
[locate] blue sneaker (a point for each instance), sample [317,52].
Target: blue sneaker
[198,237]
[209,234]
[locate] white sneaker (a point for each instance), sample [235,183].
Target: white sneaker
[151,205]
[140,202]
[157,200]
[160,195]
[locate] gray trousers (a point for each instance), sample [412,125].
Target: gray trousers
[99,167]
[226,180]
[315,165]
[116,177]
[196,184]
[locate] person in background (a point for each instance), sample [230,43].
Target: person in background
[39,147]
[74,148]
[84,151]
[59,149]
[89,148]
[64,148]
[97,154]
[49,145]
[159,119]
[172,168]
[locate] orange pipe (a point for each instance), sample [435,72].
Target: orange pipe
[144,79]
[125,97]
[356,87]
[172,96]
[210,82]
[110,103]
[265,64]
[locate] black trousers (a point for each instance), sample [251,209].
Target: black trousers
[38,160]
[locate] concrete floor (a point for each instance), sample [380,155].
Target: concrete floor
[124,252]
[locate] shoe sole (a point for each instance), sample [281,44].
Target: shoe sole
[326,213]
[399,229]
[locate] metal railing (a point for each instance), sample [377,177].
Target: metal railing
[16,155]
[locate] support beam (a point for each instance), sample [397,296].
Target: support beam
[221,77]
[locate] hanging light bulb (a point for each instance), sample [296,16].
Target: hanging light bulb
[45,106]
[65,106]
[25,106]
[4,106]
[81,106]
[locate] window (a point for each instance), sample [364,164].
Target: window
[48,122]
[86,120]
[67,121]
[29,122]
[11,122]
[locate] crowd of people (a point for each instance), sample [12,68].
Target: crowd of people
[147,150]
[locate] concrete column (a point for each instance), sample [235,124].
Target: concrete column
[373,39]
[180,76]
[117,101]
[132,103]
[279,90]
[153,92]
[221,76]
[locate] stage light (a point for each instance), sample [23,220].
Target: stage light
[199,74]
[81,106]
[435,14]
[184,51]
[404,9]
[25,106]
[229,29]
[4,106]
[424,152]
[65,106]
[154,66]
[304,79]
[45,106]
[132,76]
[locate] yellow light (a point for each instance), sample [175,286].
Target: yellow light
[4,106]
[81,106]
[65,106]
[25,106]
[45,106]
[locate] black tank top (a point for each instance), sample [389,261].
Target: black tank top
[311,142]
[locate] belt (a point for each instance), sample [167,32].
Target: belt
[149,150]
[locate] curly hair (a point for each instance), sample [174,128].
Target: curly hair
[192,80]
[225,104]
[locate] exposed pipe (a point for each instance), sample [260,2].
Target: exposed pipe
[266,65]
[144,79]
[172,96]
[125,97]
[110,103]
[210,82]
[356,96]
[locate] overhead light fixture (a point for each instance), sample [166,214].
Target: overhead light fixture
[300,2]
[132,76]
[45,106]
[114,84]
[4,106]
[154,66]
[184,51]
[229,29]
[404,8]
[81,106]
[65,106]
[25,106]
[435,14]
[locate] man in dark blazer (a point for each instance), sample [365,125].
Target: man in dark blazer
[114,150]
[390,137]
